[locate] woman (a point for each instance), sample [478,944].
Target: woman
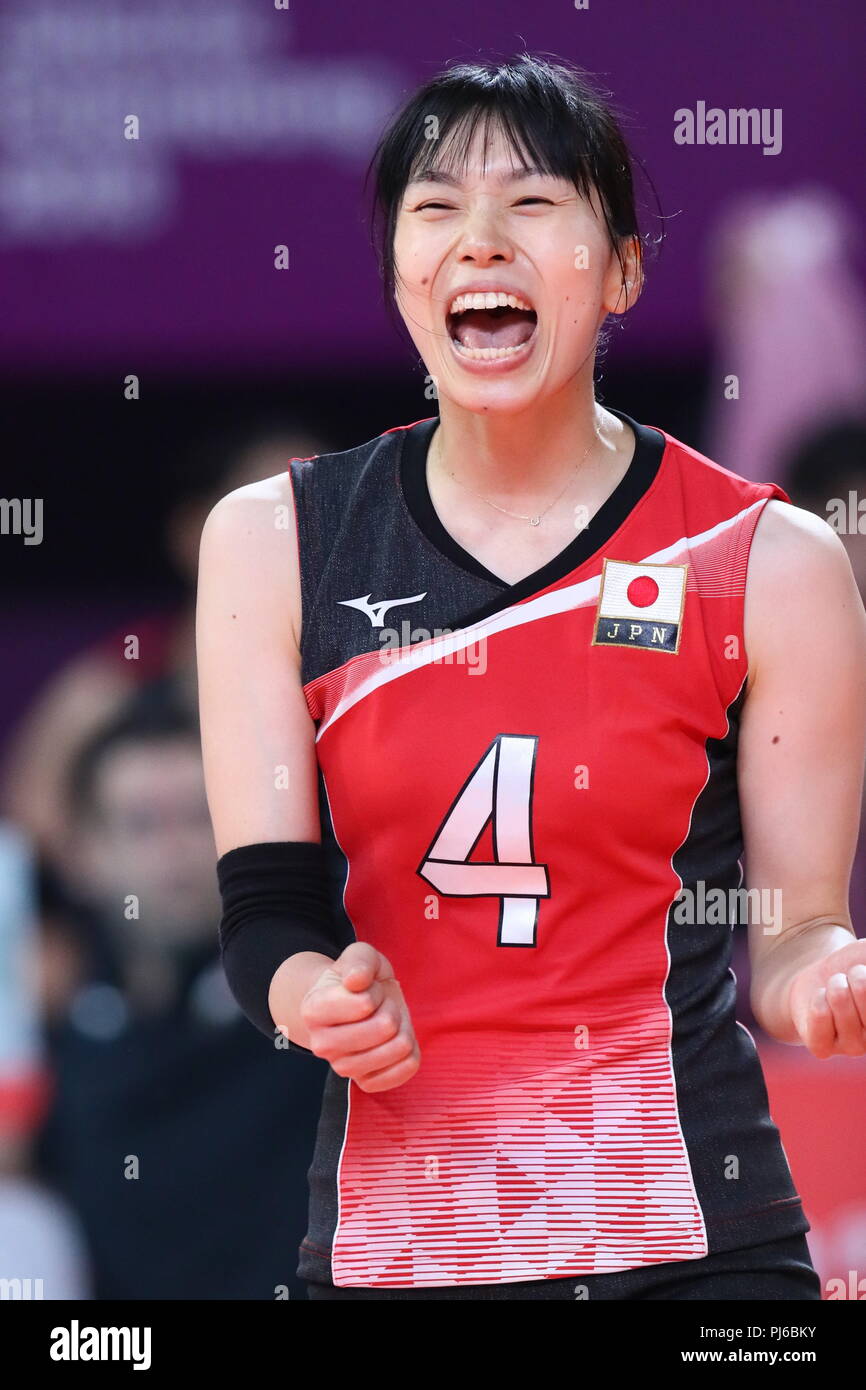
[485,677]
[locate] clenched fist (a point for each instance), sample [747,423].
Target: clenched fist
[358,1020]
[828,1003]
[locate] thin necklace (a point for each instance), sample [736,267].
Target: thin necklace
[533,520]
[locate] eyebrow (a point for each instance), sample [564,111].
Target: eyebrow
[514,176]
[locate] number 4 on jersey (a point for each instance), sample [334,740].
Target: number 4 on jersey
[499,788]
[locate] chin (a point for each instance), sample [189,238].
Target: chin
[491,397]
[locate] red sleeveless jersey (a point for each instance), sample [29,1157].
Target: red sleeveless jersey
[519,782]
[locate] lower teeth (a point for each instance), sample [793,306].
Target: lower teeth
[487,352]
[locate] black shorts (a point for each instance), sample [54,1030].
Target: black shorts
[779,1270]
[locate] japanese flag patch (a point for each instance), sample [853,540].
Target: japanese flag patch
[640,606]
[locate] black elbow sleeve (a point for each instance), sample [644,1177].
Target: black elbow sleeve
[275,903]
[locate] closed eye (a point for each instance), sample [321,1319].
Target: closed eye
[424,206]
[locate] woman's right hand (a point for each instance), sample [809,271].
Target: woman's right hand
[358,1020]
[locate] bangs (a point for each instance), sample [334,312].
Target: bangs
[529,137]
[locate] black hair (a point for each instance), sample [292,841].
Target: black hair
[553,117]
[154,714]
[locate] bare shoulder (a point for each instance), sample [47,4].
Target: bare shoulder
[799,584]
[249,545]
[792,549]
[253,505]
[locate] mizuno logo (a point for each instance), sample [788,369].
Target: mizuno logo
[376,611]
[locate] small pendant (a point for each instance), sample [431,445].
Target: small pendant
[534,520]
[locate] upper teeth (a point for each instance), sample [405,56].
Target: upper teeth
[491,299]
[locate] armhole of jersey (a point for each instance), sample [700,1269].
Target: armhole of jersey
[290,473]
[741,553]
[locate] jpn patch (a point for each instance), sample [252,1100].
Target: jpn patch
[640,606]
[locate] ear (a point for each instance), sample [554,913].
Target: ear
[622,285]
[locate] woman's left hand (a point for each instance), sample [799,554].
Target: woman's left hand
[828,1003]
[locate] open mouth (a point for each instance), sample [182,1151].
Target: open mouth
[497,332]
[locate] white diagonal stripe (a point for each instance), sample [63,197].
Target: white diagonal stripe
[532,610]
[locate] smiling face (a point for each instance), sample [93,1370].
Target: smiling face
[504,276]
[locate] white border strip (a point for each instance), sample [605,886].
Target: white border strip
[545,606]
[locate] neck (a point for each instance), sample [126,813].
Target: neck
[521,458]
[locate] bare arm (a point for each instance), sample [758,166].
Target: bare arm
[258,739]
[261,775]
[257,734]
[800,771]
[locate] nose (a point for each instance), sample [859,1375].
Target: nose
[482,240]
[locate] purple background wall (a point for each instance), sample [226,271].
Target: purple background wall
[256,127]
[155,256]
